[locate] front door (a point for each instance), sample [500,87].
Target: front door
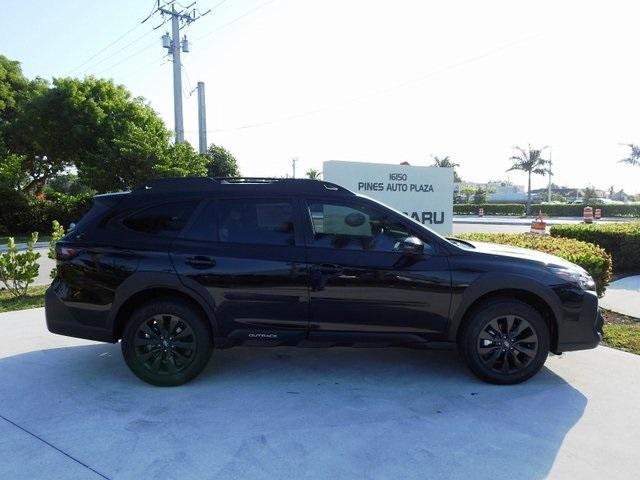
[361,282]
[246,256]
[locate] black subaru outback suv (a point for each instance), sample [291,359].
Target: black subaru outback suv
[183,266]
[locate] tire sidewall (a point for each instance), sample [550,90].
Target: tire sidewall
[180,309]
[490,311]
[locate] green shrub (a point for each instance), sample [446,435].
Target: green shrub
[621,240]
[516,209]
[570,210]
[19,269]
[57,232]
[592,258]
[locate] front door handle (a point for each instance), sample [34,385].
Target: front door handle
[329,269]
[201,261]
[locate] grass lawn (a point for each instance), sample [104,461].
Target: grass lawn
[621,331]
[33,299]
[23,238]
[623,336]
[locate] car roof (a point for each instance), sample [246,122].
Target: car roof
[240,185]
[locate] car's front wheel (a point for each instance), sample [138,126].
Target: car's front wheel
[505,341]
[166,342]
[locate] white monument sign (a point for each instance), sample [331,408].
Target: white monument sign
[423,193]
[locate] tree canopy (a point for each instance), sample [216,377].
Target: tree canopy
[530,161]
[634,155]
[221,162]
[446,162]
[112,139]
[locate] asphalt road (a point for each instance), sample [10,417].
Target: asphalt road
[71,409]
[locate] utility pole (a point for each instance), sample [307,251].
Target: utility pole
[550,174]
[293,164]
[202,119]
[179,19]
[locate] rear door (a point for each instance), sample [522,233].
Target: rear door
[247,258]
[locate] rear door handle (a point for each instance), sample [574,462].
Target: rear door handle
[201,261]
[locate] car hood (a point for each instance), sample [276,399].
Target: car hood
[523,254]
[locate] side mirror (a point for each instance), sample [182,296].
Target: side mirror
[410,246]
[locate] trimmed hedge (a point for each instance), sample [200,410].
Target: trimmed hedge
[516,209]
[570,210]
[621,240]
[22,214]
[592,258]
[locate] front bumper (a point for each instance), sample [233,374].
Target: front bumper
[580,328]
[73,321]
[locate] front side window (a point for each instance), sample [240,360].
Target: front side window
[165,219]
[355,227]
[262,222]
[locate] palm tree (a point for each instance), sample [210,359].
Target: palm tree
[529,161]
[313,174]
[634,157]
[446,162]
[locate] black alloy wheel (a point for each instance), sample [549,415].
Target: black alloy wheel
[504,341]
[507,344]
[167,342]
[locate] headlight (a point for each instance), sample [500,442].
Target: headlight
[578,277]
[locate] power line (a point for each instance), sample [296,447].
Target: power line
[159,61]
[381,91]
[136,26]
[217,5]
[137,52]
[249,12]
[137,39]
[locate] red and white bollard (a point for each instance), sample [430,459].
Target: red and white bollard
[481,212]
[587,215]
[598,214]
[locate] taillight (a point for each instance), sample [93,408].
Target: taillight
[66,253]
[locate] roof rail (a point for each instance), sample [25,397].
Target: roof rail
[180,184]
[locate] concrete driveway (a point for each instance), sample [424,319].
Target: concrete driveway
[71,409]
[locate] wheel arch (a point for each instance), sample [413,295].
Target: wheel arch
[143,287]
[509,285]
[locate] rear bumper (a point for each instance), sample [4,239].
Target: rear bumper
[70,321]
[581,326]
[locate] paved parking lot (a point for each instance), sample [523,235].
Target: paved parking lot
[71,409]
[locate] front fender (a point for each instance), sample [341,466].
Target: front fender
[465,294]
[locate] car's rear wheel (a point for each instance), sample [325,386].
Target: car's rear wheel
[505,341]
[166,343]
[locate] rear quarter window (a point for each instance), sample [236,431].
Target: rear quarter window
[166,219]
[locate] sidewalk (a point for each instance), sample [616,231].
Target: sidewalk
[623,296]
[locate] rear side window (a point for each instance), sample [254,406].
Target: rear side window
[166,219]
[262,222]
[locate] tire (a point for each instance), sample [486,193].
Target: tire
[166,342]
[504,329]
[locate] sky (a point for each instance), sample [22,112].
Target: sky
[370,80]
